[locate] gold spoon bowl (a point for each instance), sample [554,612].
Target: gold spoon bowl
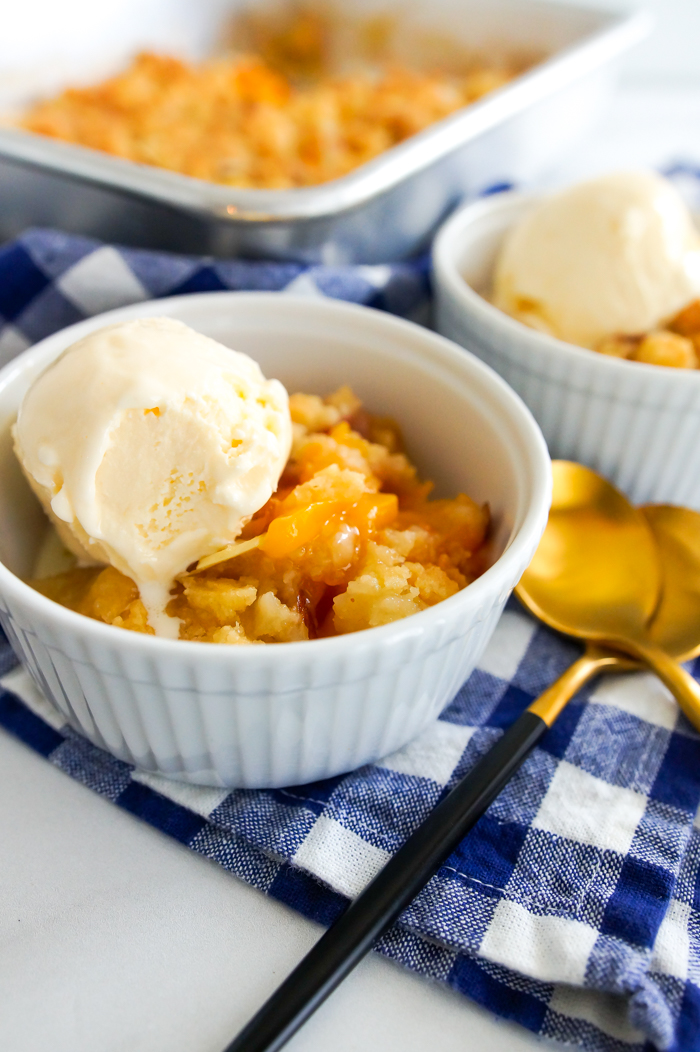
[618,577]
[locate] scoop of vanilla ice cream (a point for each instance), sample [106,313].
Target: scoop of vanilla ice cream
[151,446]
[616,254]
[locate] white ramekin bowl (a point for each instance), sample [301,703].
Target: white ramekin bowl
[295,712]
[639,425]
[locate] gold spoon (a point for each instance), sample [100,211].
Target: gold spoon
[597,575]
[676,623]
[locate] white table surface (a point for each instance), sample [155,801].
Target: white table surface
[114,938]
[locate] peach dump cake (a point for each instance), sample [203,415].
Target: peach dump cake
[344,536]
[613,265]
[239,121]
[675,344]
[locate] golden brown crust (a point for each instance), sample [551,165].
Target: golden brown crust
[676,345]
[238,122]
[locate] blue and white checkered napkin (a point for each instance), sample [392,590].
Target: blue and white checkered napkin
[573,907]
[49,280]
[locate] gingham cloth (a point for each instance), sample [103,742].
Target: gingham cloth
[573,907]
[49,280]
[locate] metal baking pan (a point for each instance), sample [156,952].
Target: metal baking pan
[385,210]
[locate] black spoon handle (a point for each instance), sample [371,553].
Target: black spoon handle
[348,940]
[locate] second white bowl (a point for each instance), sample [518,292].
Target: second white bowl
[637,424]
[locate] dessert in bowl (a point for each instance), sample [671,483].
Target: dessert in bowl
[597,345]
[253,517]
[273,715]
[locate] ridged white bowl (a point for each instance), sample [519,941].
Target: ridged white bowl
[290,713]
[637,424]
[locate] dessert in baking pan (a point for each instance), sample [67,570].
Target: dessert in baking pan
[292,112]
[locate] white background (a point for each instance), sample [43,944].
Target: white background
[672,53]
